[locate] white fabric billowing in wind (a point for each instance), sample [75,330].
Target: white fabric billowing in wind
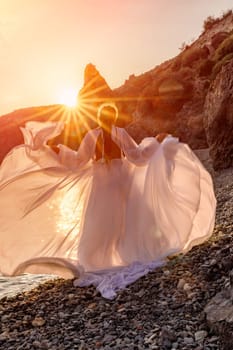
[109,223]
[108,282]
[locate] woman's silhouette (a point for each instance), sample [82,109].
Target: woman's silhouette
[105,147]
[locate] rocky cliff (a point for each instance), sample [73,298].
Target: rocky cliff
[171,97]
[218,118]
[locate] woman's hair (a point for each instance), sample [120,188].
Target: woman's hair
[107,110]
[160,137]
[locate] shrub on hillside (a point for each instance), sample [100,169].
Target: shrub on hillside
[204,51]
[218,66]
[210,21]
[190,57]
[224,49]
[205,68]
[206,85]
[218,38]
[176,64]
[185,74]
[193,55]
[184,46]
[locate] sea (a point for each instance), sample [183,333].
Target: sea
[11,286]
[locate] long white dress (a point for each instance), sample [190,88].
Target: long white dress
[106,223]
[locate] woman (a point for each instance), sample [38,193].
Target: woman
[108,213]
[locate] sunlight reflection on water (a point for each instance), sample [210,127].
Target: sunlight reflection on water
[69,211]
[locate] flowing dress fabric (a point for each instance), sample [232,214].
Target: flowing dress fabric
[107,223]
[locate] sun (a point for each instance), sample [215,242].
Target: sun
[69,97]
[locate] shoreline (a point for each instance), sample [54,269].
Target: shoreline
[11,286]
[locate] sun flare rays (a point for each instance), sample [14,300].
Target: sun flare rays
[78,111]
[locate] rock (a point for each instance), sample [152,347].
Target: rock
[218,118]
[92,306]
[181,284]
[188,340]
[168,333]
[4,335]
[220,307]
[157,104]
[38,322]
[190,128]
[200,336]
[187,288]
[94,92]
[37,344]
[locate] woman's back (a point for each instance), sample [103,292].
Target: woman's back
[106,147]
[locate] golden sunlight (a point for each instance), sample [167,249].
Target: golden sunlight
[69,97]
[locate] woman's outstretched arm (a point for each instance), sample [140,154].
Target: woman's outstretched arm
[139,154]
[74,159]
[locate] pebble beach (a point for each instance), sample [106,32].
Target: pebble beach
[162,310]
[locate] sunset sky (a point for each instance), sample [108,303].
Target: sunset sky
[45,44]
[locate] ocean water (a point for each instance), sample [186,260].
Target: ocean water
[10,286]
